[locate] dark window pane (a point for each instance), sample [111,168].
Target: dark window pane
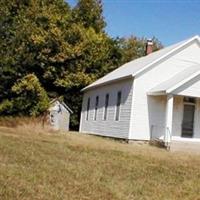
[189,100]
[119,95]
[96,107]
[106,106]
[88,108]
[188,121]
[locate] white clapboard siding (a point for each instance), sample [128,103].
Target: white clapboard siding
[109,127]
[140,126]
[141,109]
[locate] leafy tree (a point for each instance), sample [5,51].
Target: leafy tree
[63,49]
[134,47]
[29,32]
[29,98]
[89,13]
[57,50]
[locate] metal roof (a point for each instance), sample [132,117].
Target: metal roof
[176,81]
[136,66]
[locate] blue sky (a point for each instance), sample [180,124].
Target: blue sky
[169,20]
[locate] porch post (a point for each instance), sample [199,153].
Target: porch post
[169,118]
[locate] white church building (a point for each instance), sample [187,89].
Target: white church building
[153,97]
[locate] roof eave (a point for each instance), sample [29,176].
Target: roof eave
[61,102]
[67,107]
[157,93]
[107,82]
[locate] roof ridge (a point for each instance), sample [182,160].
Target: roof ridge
[176,46]
[140,64]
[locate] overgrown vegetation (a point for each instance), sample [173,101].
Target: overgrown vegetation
[28,97]
[65,48]
[75,166]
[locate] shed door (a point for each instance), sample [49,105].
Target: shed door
[188,120]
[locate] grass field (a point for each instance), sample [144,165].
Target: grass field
[40,165]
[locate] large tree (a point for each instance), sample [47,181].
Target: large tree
[90,14]
[59,48]
[65,48]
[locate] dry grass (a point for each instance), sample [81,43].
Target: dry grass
[18,121]
[25,125]
[75,166]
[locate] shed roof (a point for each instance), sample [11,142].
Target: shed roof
[61,102]
[136,66]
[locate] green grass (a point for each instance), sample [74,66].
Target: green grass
[74,166]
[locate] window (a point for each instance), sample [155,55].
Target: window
[189,100]
[106,106]
[96,107]
[88,108]
[119,96]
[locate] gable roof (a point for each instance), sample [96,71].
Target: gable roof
[61,102]
[136,66]
[176,81]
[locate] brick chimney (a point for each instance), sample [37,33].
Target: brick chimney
[149,47]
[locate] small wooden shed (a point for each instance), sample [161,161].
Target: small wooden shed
[59,114]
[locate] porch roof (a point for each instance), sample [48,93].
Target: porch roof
[176,81]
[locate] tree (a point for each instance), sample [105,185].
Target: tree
[134,47]
[29,98]
[28,34]
[66,49]
[58,49]
[89,14]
